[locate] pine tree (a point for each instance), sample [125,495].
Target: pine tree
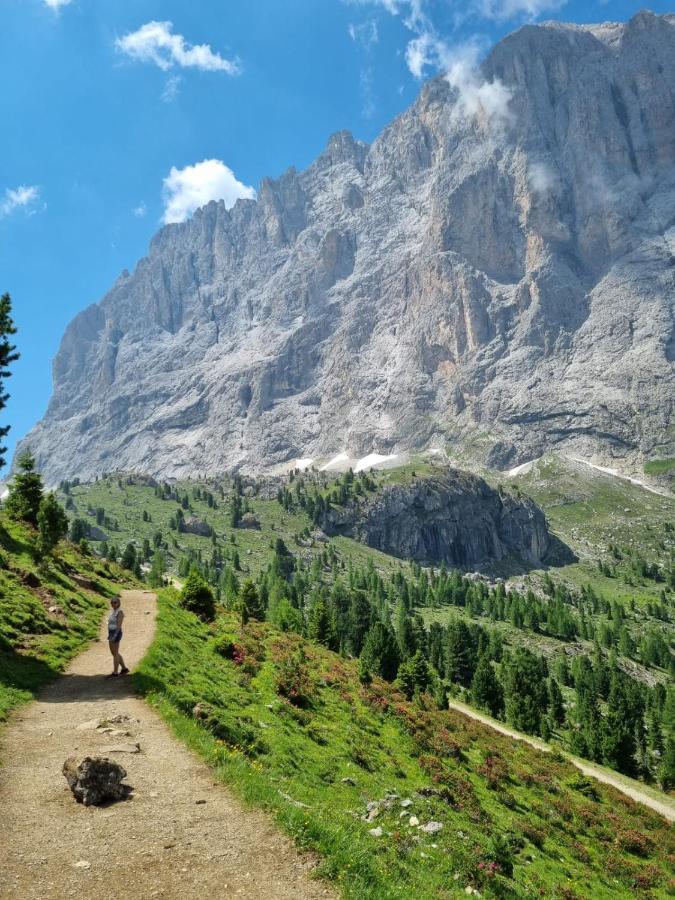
[666,769]
[25,495]
[197,597]
[486,690]
[157,570]
[459,656]
[525,694]
[321,625]
[52,524]
[556,703]
[250,601]
[405,633]
[128,560]
[380,652]
[618,739]
[8,355]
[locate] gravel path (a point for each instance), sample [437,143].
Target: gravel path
[632,789]
[181,835]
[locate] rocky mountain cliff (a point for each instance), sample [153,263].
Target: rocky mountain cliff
[497,269]
[452,517]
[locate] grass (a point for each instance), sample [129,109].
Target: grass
[589,509]
[659,466]
[317,765]
[47,613]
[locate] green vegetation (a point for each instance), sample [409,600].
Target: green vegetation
[291,726]
[48,611]
[8,355]
[51,592]
[552,657]
[659,466]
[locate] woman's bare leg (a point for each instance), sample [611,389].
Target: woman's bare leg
[115,650]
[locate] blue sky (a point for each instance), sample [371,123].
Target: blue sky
[111,107]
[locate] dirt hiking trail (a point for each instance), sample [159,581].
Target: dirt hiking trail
[627,786]
[180,835]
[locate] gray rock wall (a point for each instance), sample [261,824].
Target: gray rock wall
[452,517]
[497,273]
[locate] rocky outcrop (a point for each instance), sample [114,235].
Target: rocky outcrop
[96,780]
[452,517]
[496,270]
[193,525]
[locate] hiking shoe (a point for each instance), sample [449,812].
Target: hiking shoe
[124,671]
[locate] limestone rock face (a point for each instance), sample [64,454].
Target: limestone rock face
[452,517]
[496,270]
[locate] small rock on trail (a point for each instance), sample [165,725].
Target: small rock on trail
[96,780]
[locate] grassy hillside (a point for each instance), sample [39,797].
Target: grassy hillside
[399,797]
[47,612]
[596,635]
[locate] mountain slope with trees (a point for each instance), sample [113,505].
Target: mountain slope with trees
[550,655]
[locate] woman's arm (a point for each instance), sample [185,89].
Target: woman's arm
[120,618]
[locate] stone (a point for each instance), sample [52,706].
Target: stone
[96,780]
[376,832]
[248,520]
[193,525]
[477,278]
[349,781]
[89,725]
[413,821]
[406,803]
[432,827]
[82,864]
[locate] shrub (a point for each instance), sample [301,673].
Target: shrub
[634,841]
[292,678]
[197,597]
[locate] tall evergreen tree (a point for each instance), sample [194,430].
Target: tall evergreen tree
[525,694]
[380,652]
[25,492]
[618,740]
[52,523]
[486,690]
[459,655]
[250,601]
[8,355]
[556,703]
[321,625]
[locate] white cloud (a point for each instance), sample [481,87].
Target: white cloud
[170,91]
[503,10]
[185,190]
[155,43]
[476,98]
[541,179]
[57,4]
[140,210]
[365,34]
[23,197]
[367,91]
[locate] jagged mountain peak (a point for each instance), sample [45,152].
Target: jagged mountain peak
[494,270]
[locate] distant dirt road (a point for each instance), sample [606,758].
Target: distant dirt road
[180,836]
[627,786]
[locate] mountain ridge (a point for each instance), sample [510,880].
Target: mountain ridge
[493,271]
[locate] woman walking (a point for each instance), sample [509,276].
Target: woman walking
[115,620]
